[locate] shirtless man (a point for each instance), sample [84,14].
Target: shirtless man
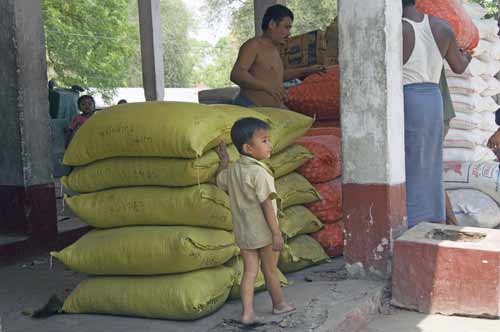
[259,71]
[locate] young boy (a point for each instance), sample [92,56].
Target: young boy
[253,197]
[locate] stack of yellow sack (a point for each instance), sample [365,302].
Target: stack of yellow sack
[161,239]
[144,174]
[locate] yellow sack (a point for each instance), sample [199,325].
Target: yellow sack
[203,206]
[301,252]
[148,250]
[145,171]
[286,126]
[186,296]
[294,189]
[288,160]
[236,263]
[152,129]
[298,220]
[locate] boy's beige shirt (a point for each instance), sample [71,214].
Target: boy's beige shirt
[249,182]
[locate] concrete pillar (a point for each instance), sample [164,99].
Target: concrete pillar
[372,132]
[151,49]
[260,7]
[27,198]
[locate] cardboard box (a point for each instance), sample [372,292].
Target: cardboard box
[312,48]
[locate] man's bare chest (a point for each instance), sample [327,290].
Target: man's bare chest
[269,61]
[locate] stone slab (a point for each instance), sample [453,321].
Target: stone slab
[449,270]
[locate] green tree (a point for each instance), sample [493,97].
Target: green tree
[88,42]
[219,60]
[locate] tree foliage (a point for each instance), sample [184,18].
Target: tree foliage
[96,44]
[88,42]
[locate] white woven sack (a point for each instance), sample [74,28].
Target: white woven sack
[482,176]
[487,51]
[488,29]
[475,10]
[488,121]
[473,103]
[465,139]
[466,121]
[493,86]
[474,208]
[482,47]
[479,153]
[466,84]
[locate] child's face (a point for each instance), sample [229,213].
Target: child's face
[259,146]
[86,105]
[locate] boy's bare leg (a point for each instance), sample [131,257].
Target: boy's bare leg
[269,262]
[250,270]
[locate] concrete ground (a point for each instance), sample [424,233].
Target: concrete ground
[323,296]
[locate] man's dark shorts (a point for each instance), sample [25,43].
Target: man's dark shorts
[243,101]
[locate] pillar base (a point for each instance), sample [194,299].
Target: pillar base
[29,211]
[374,216]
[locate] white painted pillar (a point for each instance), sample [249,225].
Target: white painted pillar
[260,7]
[151,49]
[372,132]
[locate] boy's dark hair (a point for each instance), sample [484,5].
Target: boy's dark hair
[244,129]
[408,3]
[85,97]
[275,13]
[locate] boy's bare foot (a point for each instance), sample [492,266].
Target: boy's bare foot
[283,309]
[251,320]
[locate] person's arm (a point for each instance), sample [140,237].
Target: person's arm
[221,173]
[272,222]
[301,73]
[458,59]
[240,74]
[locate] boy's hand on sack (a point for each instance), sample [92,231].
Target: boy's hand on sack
[223,155]
[278,242]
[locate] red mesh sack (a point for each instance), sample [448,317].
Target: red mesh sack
[326,123]
[454,13]
[326,130]
[318,96]
[331,238]
[326,164]
[329,208]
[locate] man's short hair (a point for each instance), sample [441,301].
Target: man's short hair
[244,129]
[275,13]
[408,3]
